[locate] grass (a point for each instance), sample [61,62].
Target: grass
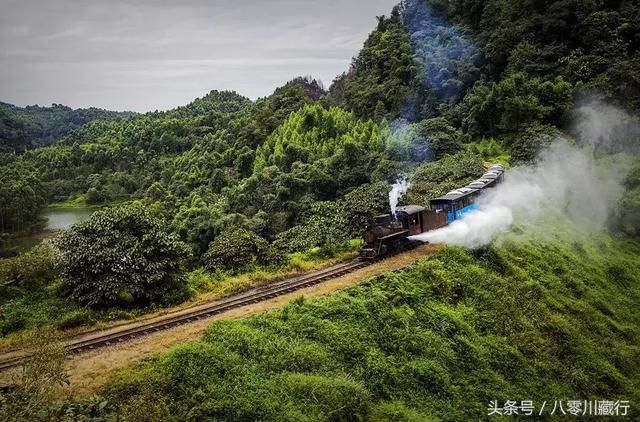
[528,318]
[217,285]
[73,202]
[23,311]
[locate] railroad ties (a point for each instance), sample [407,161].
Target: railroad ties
[258,295]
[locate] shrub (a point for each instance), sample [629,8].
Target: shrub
[630,207]
[75,319]
[12,321]
[319,396]
[121,252]
[237,250]
[31,270]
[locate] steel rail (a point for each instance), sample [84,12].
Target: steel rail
[255,295]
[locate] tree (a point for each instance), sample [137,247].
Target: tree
[515,102]
[428,140]
[435,178]
[313,133]
[380,77]
[121,253]
[362,204]
[236,250]
[527,144]
[440,138]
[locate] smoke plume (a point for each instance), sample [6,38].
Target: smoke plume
[569,179]
[397,190]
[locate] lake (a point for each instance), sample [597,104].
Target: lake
[63,218]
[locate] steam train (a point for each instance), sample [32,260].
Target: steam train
[390,233]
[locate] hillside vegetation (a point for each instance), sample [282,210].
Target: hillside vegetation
[438,89]
[34,126]
[223,190]
[525,319]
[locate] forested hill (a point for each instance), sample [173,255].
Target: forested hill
[446,72]
[34,126]
[226,186]
[493,66]
[438,75]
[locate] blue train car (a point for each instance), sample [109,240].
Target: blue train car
[460,201]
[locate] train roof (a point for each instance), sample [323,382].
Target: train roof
[455,195]
[411,209]
[487,178]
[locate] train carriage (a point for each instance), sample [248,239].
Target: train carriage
[390,232]
[458,202]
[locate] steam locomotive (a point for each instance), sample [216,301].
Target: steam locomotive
[390,233]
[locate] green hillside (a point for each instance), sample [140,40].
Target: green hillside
[226,192]
[526,319]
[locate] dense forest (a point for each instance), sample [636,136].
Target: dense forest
[34,126]
[225,185]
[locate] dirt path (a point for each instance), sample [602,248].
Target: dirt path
[91,370]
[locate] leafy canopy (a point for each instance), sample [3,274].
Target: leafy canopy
[121,254]
[236,250]
[313,133]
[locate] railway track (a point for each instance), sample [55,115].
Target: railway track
[91,341]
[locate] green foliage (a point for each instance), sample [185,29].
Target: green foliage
[362,204]
[74,319]
[24,282]
[435,341]
[427,140]
[31,270]
[198,222]
[36,384]
[324,227]
[214,103]
[121,252]
[379,80]
[630,207]
[313,133]
[237,250]
[34,126]
[329,224]
[514,102]
[303,168]
[269,113]
[447,58]
[491,151]
[527,144]
[436,178]
[22,197]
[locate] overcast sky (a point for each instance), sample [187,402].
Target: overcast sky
[145,55]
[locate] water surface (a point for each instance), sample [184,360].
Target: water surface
[63,218]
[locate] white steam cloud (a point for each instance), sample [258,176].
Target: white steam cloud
[397,190]
[606,128]
[568,179]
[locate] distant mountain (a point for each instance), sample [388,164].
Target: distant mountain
[35,126]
